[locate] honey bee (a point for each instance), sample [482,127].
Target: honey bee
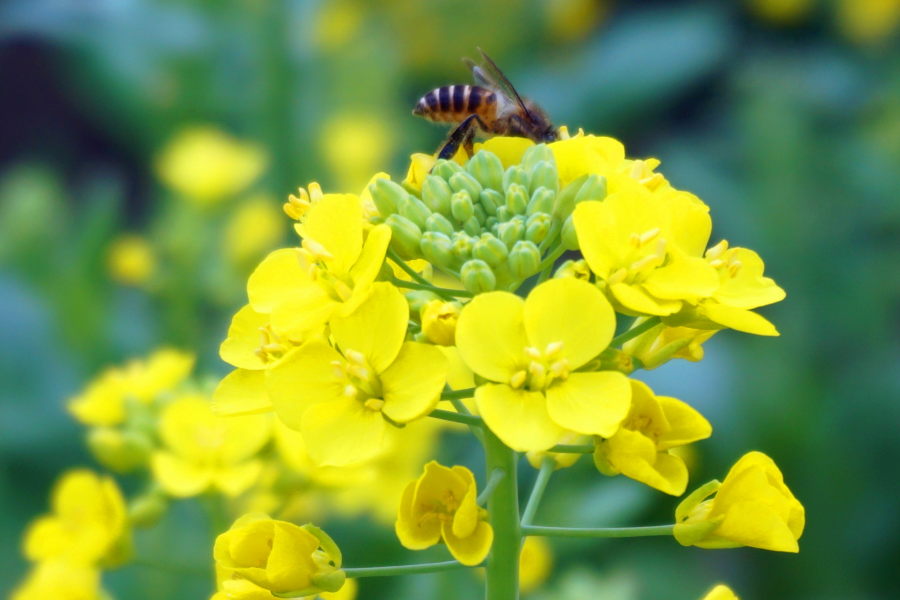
[492,106]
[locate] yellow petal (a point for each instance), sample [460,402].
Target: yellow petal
[471,550]
[376,328]
[466,518]
[336,223]
[590,403]
[720,592]
[738,319]
[518,417]
[371,258]
[234,481]
[241,392]
[689,223]
[302,379]
[459,375]
[278,278]
[596,224]
[342,432]
[434,484]
[413,383]
[637,301]
[180,478]
[635,456]
[501,353]
[508,149]
[684,278]
[585,326]
[291,561]
[415,533]
[749,289]
[306,311]
[758,526]
[244,338]
[687,425]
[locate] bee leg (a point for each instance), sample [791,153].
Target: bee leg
[462,135]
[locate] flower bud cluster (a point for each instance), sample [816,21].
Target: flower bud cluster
[487,226]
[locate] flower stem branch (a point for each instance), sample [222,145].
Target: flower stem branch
[572,448]
[392,254]
[403,569]
[537,492]
[608,532]
[458,394]
[446,415]
[496,476]
[464,410]
[635,331]
[443,292]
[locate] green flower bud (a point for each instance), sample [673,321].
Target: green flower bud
[480,214]
[417,299]
[536,154]
[415,210]
[472,226]
[487,169]
[446,168]
[387,196]
[511,232]
[462,246]
[517,199]
[491,223]
[147,510]
[405,237]
[120,450]
[477,277]
[524,260]
[376,219]
[565,199]
[440,223]
[491,200]
[490,250]
[504,214]
[461,206]
[593,189]
[516,174]
[438,249]
[544,175]
[329,581]
[436,194]
[541,201]
[464,181]
[569,235]
[537,227]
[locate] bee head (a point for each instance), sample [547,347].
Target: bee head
[550,134]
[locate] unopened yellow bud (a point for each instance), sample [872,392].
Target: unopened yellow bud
[439,322]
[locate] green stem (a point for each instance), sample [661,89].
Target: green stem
[403,569]
[446,415]
[547,468]
[635,331]
[502,573]
[443,292]
[548,262]
[458,394]
[464,410]
[496,476]
[392,254]
[608,532]
[572,448]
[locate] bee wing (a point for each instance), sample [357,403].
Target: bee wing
[489,75]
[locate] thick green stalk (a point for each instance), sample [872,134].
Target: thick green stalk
[605,532]
[502,573]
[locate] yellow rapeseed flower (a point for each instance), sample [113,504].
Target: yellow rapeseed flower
[868,21]
[131,260]
[662,343]
[532,350]
[441,505]
[535,564]
[439,320]
[87,525]
[752,507]
[207,165]
[203,451]
[243,589]
[60,580]
[720,592]
[302,288]
[277,556]
[640,448]
[647,250]
[342,400]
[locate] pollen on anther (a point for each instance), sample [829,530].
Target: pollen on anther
[350,391]
[553,349]
[518,380]
[533,353]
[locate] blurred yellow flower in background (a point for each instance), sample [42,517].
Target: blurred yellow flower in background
[207,165]
[131,260]
[87,525]
[868,21]
[535,563]
[752,507]
[205,451]
[572,20]
[783,12]
[720,592]
[356,145]
[60,580]
[440,505]
[254,227]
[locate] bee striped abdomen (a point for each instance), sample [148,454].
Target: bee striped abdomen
[453,103]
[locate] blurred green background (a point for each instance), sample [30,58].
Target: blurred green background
[782,115]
